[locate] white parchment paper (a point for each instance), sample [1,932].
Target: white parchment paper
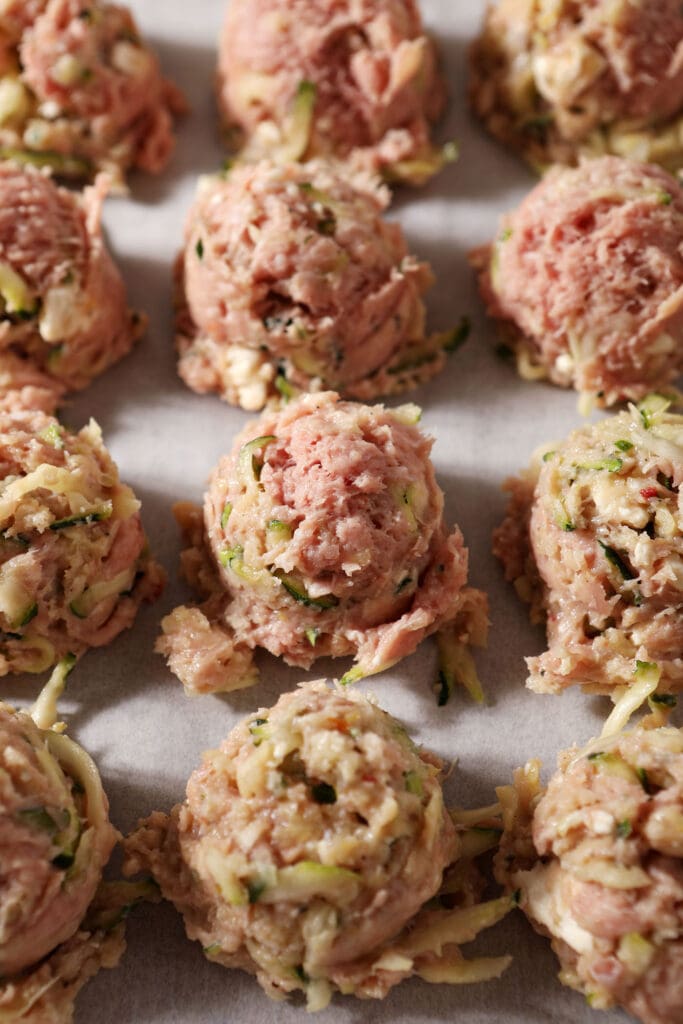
[131,714]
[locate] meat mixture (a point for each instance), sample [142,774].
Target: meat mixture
[557,79]
[586,278]
[323,535]
[291,280]
[353,79]
[55,838]
[307,844]
[63,312]
[80,92]
[597,859]
[74,560]
[593,539]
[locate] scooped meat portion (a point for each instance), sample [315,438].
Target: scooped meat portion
[291,280]
[55,838]
[323,535]
[597,858]
[593,539]
[74,561]
[308,842]
[80,92]
[586,278]
[559,79]
[63,311]
[353,79]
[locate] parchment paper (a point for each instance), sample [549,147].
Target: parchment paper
[129,711]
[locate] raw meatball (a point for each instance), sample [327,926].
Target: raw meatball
[556,79]
[63,315]
[355,79]
[80,92]
[74,561]
[587,279]
[598,861]
[290,279]
[323,535]
[55,838]
[594,540]
[307,843]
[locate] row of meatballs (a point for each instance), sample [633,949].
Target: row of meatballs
[314,850]
[585,278]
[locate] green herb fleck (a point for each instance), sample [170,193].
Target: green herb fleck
[665,481]
[644,780]
[624,829]
[405,582]
[225,515]
[413,783]
[40,818]
[255,889]
[282,385]
[623,445]
[444,690]
[53,435]
[29,615]
[665,700]
[614,559]
[199,249]
[85,520]
[256,730]
[459,335]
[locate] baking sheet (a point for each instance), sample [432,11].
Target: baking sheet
[129,711]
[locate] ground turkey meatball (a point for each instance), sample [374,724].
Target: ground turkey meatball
[307,843]
[354,79]
[290,279]
[64,317]
[586,278]
[593,538]
[323,535]
[555,79]
[55,838]
[80,92]
[74,561]
[598,861]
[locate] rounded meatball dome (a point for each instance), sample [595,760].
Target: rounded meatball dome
[290,278]
[594,538]
[307,842]
[63,301]
[325,529]
[55,839]
[354,79]
[82,92]
[555,80]
[587,279]
[598,860]
[74,562]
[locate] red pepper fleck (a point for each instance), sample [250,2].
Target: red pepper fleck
[369,778]
[649,492]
